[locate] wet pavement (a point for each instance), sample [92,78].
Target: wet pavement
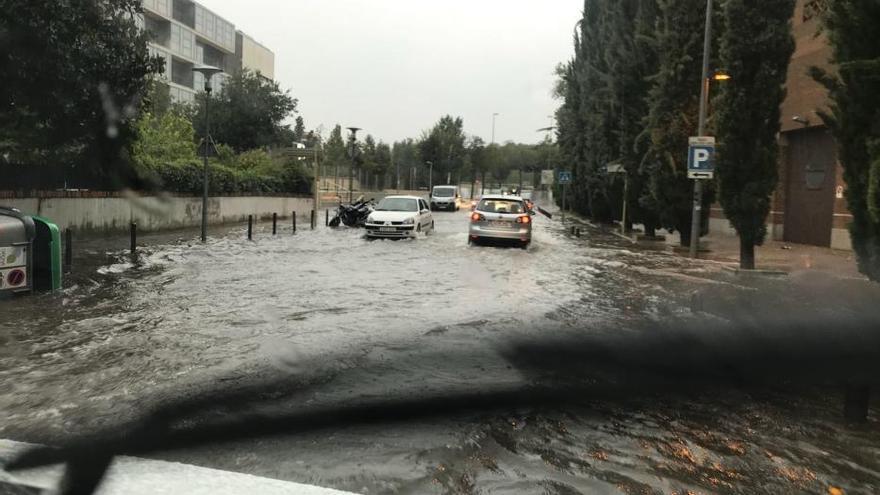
[339,320]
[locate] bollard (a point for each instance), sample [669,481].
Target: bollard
[314,220]
[855,408]
[274,223]
[294,222]
[326,218]
[68,250]
[250,227]
[133,231]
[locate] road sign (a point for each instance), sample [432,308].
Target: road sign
[547,177]
[701,158]
[565,177]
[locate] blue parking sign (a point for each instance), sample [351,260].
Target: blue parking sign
[701,158]
[565,177]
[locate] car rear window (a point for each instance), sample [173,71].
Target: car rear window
[501,206]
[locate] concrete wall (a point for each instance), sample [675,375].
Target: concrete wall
[255,56]
[114,214]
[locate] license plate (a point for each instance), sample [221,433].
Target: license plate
[387,229]
[500,224]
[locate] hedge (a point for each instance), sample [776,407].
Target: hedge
[186,177]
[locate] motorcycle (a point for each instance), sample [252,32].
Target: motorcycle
[354,214]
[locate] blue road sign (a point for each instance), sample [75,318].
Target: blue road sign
[701,158]
[565,177]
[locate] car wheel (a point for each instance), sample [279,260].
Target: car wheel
[525,244]
[432,226]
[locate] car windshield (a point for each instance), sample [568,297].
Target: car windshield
[501,206]
[443,247]
[398,204]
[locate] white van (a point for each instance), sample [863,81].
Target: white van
[445,198]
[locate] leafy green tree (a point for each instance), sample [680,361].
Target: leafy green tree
[476,161]
[299,130]
[443,146]
[674,103]
[74,74]
[249,113]
[162,140]
[854,118]
[383,164]
[409,161]
[335,153]
[748,113]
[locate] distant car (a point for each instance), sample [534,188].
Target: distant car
[400,217]
[501,217]
[445,198]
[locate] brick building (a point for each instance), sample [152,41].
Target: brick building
[809,205]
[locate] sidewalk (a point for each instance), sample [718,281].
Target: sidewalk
[777,255]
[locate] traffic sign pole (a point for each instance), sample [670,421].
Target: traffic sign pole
[564,189]
[697,218]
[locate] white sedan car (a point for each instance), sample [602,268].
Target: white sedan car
[398,217]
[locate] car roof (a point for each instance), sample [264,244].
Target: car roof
[402,197]
[445,186]
[502,196]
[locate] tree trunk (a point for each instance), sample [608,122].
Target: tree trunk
[746,254]
[685,236]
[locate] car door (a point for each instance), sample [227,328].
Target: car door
[424,214]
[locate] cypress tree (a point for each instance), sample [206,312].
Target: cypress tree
[672,119]
[854,118]
[756,48]
[632,60]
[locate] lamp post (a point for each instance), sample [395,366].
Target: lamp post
[494,116]
[207,72]
[697,217]
[354,131]
[430,176]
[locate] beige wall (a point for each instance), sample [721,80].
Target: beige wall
[107,215]
[256,57]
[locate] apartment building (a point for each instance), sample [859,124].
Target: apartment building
[186,34]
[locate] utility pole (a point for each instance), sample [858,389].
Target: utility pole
[430,176]
[494,116]
[697,220]
[354,131]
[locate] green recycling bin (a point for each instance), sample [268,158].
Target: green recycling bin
[47,255]
[30,253]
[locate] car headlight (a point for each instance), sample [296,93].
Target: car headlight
[409,221]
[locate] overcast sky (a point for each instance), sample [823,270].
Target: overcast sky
[393,67]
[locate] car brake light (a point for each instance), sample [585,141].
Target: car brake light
[476,217]
[525,219]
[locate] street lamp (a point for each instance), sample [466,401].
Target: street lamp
[494,116]
[354,131]
[207,72]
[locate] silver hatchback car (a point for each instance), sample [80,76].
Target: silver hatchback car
[501,217]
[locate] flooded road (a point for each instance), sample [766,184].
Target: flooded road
[340,320]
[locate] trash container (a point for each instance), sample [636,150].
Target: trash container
[17,233]
[46,256]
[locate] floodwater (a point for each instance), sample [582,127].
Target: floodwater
[340,320]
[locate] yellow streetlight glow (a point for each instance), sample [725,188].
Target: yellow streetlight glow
[721,76]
